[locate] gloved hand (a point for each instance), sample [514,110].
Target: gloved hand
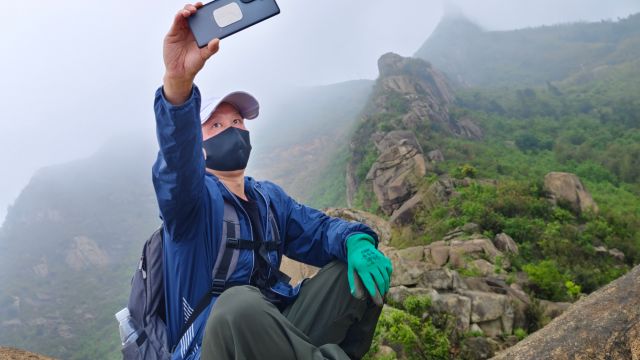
[367,268]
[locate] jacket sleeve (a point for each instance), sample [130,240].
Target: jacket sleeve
[178,173]
[313,237]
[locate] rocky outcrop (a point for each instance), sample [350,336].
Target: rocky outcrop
[603,325]
[395,173]
[8,353]
[482,300]
[84,253]
[567,187]
[427,91]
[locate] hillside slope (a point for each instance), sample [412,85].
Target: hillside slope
[472,56]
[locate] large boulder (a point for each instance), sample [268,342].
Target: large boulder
[505,243]
[567,187]
[603,325]
[397,170]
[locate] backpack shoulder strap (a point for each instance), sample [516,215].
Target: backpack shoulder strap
[225,265]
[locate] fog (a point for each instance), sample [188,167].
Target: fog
[75,73]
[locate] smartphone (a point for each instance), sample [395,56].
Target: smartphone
[221,18]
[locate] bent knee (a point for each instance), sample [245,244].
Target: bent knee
[235,305]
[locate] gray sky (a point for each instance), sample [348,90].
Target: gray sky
[74,73]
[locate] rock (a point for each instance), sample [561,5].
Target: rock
[414,76]
[9,353]
[385,352]
[297,270]
[462,251]
[492,328]
[486,306]
[414,253]
[405,213]
[398,294]
[553,309]
[439,279]
[439,254]
[567,187]
[603,325]
[601,250]
[85,253]
[378,224]
[397,170]
[440,192]
[457,306]
[469,129]
[483,266]
[405,272]
[505,243]
[471,228]
[476,329]
[617,254]
[477,348]
[435,156]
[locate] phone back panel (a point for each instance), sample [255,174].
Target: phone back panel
[221,18]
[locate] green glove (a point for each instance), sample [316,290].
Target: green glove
[367,267]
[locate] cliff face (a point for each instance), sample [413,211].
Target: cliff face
[410,105]
[604,325]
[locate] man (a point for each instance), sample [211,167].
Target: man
[200,168]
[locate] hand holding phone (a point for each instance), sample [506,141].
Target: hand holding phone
[183,58]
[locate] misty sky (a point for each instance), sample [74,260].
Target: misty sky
[74,73]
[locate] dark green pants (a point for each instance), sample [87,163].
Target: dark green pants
[325,322]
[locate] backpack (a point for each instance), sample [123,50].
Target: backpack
[147,298]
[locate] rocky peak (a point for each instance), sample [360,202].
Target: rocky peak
[411,76]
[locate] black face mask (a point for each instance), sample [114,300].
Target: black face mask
[229,150]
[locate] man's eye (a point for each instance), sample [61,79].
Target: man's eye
[237,121]
[216,125]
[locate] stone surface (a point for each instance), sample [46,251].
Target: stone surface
[553,309]
[477,348]
[9,353]
[398,294]
[456,305]
[435,156]
[439,255]
[405,213]
[414,253]
[505,243]
[397,170]
[567,187]
[486,306]
[439,279]
[483,266]
[603,325]
[297,270]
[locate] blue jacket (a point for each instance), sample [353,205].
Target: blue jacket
[191,207]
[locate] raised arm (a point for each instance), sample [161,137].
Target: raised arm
[178,173]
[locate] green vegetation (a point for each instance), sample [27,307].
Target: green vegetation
[405,328]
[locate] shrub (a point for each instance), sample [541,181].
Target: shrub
[548,281]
